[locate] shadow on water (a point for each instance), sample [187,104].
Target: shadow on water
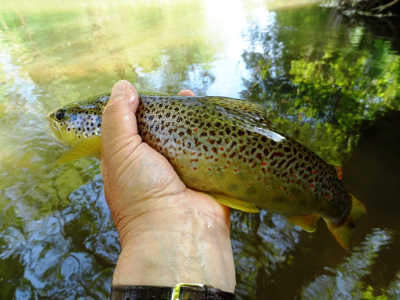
[330,83]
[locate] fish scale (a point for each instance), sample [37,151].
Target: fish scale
[227,148]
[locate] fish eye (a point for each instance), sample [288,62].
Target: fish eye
[60,114]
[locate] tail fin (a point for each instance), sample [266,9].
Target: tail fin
[343,233]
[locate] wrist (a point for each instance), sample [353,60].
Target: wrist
[183,238]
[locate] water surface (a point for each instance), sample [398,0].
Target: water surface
[331,83]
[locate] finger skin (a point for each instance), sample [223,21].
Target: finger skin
[188,93]
[119,120]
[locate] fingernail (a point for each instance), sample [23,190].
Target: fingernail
[119,91]
[186,93]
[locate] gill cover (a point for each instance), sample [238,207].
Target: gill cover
[343,233]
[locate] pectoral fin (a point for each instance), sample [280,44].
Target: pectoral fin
[307,223]
[88,147]
[235,203]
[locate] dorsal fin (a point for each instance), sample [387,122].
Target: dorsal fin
[255,111]
[248,115]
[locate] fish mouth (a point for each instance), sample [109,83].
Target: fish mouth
[53,126]
[48,117]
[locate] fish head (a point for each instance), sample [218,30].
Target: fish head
[74,123]
[340,206]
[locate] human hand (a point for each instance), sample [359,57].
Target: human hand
[168,233]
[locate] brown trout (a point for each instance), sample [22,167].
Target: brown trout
[226,147]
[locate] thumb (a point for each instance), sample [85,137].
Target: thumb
[118,119]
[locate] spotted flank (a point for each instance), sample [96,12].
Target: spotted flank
[227,148]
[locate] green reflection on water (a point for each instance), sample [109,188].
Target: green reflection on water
[320,78]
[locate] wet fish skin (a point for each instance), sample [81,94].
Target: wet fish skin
[227,147]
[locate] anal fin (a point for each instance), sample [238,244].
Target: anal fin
[307,223]
[235,203]
[88,147]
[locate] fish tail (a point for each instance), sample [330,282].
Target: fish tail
[343,233]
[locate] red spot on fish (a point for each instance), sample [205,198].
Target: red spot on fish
[264,163]
[294,176]
[193,153]
[194,168]
[329,196]
[222,148]
[312,186]
[235,170]
[314,171]
[195,129]
[216,159]
[209,169]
